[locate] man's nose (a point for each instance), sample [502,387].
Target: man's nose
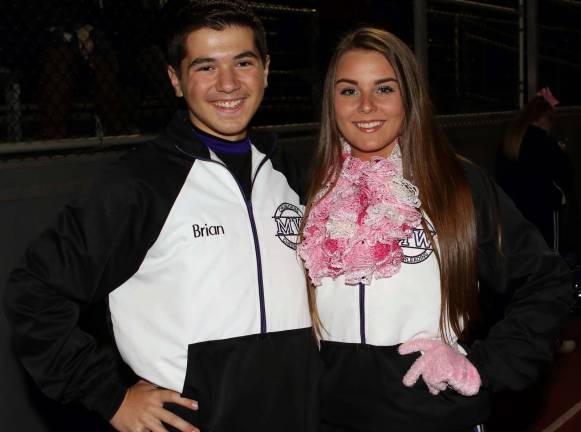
[227,81]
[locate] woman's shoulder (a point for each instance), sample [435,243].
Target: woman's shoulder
[478,179]
[488,198]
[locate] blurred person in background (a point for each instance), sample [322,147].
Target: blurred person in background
[535,171]
[533,168]
[71,42]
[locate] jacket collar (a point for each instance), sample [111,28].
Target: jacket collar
[180,131]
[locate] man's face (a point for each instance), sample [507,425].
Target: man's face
[222,79]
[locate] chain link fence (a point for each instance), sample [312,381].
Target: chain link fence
[560,49]
[473,56]
[474,61]
[94,68]
[79,68]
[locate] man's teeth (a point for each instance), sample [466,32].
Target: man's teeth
[228,104]
[368,125]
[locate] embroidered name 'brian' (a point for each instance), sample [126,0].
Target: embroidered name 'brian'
[206,231]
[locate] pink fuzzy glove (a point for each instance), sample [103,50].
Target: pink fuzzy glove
[440,366]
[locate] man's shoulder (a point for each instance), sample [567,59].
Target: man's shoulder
[151,158]
[289,159]
[150,165]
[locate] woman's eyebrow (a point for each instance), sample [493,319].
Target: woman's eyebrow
[354,82]
[384,80]
[345,80]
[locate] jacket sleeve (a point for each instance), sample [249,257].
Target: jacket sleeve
[94,246]
[546,159]
[528,283]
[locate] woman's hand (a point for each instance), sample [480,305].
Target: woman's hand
[440,366]
[142,410]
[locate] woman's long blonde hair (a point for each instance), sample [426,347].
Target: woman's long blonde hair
[428,162]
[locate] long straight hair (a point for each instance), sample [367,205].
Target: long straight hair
[428,162]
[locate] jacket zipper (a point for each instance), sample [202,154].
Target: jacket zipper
[249,209]
[362,313]
[248,201]
[258,268]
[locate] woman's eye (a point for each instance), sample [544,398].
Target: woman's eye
[384,89]
[347,91]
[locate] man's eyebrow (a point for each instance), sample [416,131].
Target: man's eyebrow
[200,60]
[246,54]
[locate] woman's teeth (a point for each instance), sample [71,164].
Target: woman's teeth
[369,126]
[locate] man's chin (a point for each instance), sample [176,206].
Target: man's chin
[233,130]
[232,134]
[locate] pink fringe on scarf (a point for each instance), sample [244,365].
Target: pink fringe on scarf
[356,228]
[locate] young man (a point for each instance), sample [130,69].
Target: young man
[191,239]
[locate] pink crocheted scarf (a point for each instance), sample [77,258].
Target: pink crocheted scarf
[355,229]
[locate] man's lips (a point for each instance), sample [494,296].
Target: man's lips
[230,105]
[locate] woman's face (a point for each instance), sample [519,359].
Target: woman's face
[368,104]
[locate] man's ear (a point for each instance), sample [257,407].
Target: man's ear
[175,81]
[266,66]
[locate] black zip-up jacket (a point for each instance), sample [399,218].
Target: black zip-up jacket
[525,294]
[537,181]
[206,294]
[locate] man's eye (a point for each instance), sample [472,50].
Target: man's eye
[245,63]
[205,68]
[348,91]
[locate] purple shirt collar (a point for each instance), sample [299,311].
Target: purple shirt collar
[219,145]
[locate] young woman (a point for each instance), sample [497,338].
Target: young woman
[535,171]
[409,249]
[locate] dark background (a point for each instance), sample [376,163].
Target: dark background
[472,59]
[62,116]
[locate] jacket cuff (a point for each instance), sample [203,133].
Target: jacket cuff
[475,359]
[107,405]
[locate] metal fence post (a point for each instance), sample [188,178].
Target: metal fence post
[532,47]
[421,34]
[521,53]
[13,105]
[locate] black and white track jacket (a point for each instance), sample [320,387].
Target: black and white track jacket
[205,291]
[525,293]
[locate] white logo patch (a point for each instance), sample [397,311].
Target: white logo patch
[288,222]
[418,247]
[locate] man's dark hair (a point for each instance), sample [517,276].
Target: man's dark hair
[186,16]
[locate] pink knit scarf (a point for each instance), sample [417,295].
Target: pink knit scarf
[355,229]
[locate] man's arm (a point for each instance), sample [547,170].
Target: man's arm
[97,243]
[63,272]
